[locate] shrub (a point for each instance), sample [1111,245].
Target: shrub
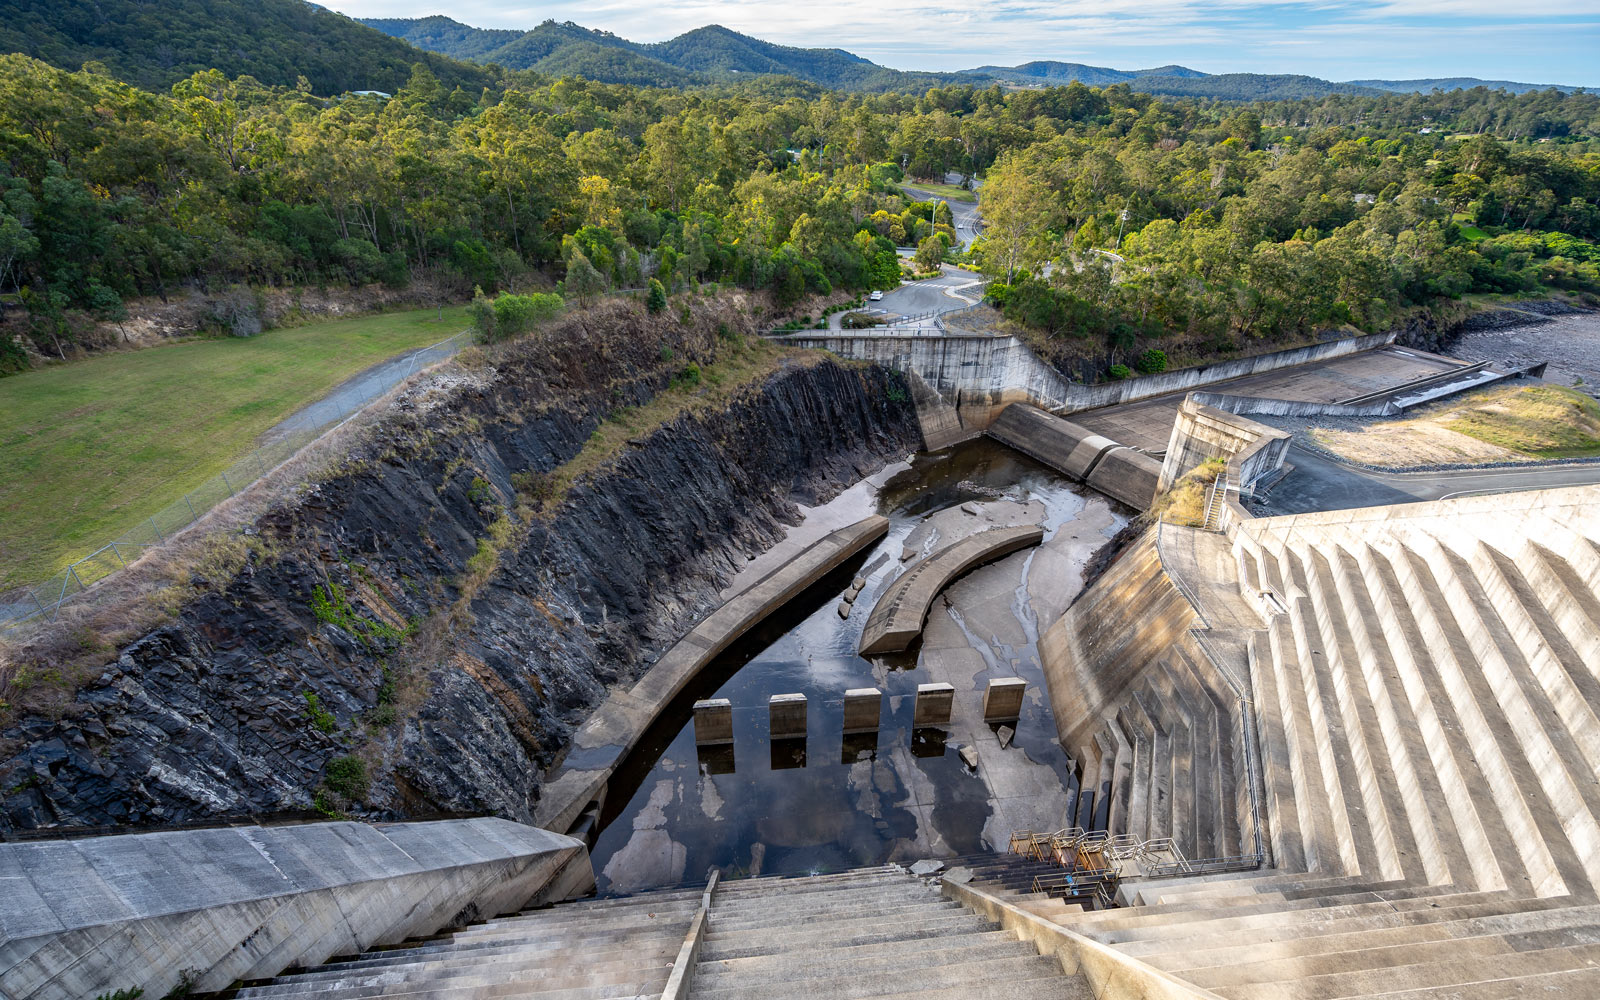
[1120,371]
[321,719]
[348,777]
[656,300]
[1152,362]
[689,378]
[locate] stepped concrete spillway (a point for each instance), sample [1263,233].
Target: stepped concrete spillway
[1421,689]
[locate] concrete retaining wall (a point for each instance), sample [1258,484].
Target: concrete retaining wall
[1127,475]
[83,917]
[1201,432]
[981,374]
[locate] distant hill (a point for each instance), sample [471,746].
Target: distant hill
[704,55]
[276,41]
[1173,81]
[1457,83]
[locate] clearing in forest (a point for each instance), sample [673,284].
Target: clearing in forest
[93,447]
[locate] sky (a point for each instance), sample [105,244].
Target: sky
[1524,40]
[1535,41]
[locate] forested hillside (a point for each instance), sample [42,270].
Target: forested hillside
[704,55]
[276,41]
[1237,223]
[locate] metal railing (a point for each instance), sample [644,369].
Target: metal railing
[46,598]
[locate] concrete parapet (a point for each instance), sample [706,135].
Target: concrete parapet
[1002,699]
[87,917]
[786,716]
[897,618]
[1127,475]
[934,703]
[615,727]
[862,709]
[713,721]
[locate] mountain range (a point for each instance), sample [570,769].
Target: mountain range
[715,53]
[294,42]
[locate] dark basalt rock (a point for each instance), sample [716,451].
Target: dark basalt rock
[208,717]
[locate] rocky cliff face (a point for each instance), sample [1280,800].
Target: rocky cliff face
[420,614]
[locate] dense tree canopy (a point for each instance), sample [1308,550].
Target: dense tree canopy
[1234,219]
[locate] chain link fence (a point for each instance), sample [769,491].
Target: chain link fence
[277,446]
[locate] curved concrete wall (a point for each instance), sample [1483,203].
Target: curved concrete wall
[1094,651]
[79,918]
[896,619]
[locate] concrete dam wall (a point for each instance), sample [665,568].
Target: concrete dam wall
[1119,472]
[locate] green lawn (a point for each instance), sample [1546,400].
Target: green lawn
[949,192]
[93,447]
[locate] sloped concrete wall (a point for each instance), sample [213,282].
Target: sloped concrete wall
[1201,432]
[79,918]
[1115,470]
[1094,652]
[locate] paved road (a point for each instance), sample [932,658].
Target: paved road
[1319,483]
[965,214]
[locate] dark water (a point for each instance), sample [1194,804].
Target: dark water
[827,802]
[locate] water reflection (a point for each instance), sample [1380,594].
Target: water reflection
[897,794]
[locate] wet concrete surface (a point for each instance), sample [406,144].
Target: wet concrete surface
[831,802]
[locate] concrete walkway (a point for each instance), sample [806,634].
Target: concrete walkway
[600,744]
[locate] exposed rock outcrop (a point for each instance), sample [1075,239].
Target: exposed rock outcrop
[406,613]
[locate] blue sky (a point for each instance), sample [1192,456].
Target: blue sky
[1538,41]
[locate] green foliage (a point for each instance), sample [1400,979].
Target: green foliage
[1119,371]
[688,379]
[322,720]
[348,777]
[1152,362]
[275,41]
[332,607]
[656,300]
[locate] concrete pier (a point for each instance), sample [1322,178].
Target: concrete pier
[786,716]
[862,709]
[713,721]
[1002,699]
[934,702]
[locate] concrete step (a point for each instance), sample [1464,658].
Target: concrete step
[569,973]
[826,981]
[1441,977]
[874,957]
[1372,946]
[766,941]
[553,952]
[781,917]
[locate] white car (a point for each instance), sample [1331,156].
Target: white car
[876,296]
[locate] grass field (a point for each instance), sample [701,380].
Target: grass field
[949,192]
[93,447]
[1510,424]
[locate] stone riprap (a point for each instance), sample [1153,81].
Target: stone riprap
[602,742]
[80,918]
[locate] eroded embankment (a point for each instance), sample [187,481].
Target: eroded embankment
[450,605]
